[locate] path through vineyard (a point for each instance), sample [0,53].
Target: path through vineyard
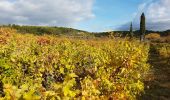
[157,84]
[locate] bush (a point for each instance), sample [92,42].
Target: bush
[165,39]
[71,69]
[153,36]
[163,49]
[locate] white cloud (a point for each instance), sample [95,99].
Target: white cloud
[45,12]
[159,11]
[157,14]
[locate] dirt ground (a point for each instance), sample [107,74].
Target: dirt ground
[157,83]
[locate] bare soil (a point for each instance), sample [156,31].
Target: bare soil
[157,83]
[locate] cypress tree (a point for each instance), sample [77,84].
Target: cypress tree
[131,30]
[142,27]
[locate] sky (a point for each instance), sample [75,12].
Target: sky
[88,15]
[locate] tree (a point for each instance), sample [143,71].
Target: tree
[131,30]
[142,27]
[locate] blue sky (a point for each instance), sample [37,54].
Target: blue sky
[111,14]
[89,15]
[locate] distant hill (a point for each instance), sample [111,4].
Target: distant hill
[40,30]
[126,33]
[59,31]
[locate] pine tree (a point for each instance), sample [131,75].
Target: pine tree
[142,27]
[131,30]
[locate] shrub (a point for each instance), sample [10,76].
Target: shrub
[43,41]
[164,50]
[153,36]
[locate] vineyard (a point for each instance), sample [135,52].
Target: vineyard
[50,68]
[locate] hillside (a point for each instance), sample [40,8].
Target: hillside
[126,33]
[40,30]
[71,32]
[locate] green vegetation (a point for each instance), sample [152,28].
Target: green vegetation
[69,32]
[41,30]
[46,67]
